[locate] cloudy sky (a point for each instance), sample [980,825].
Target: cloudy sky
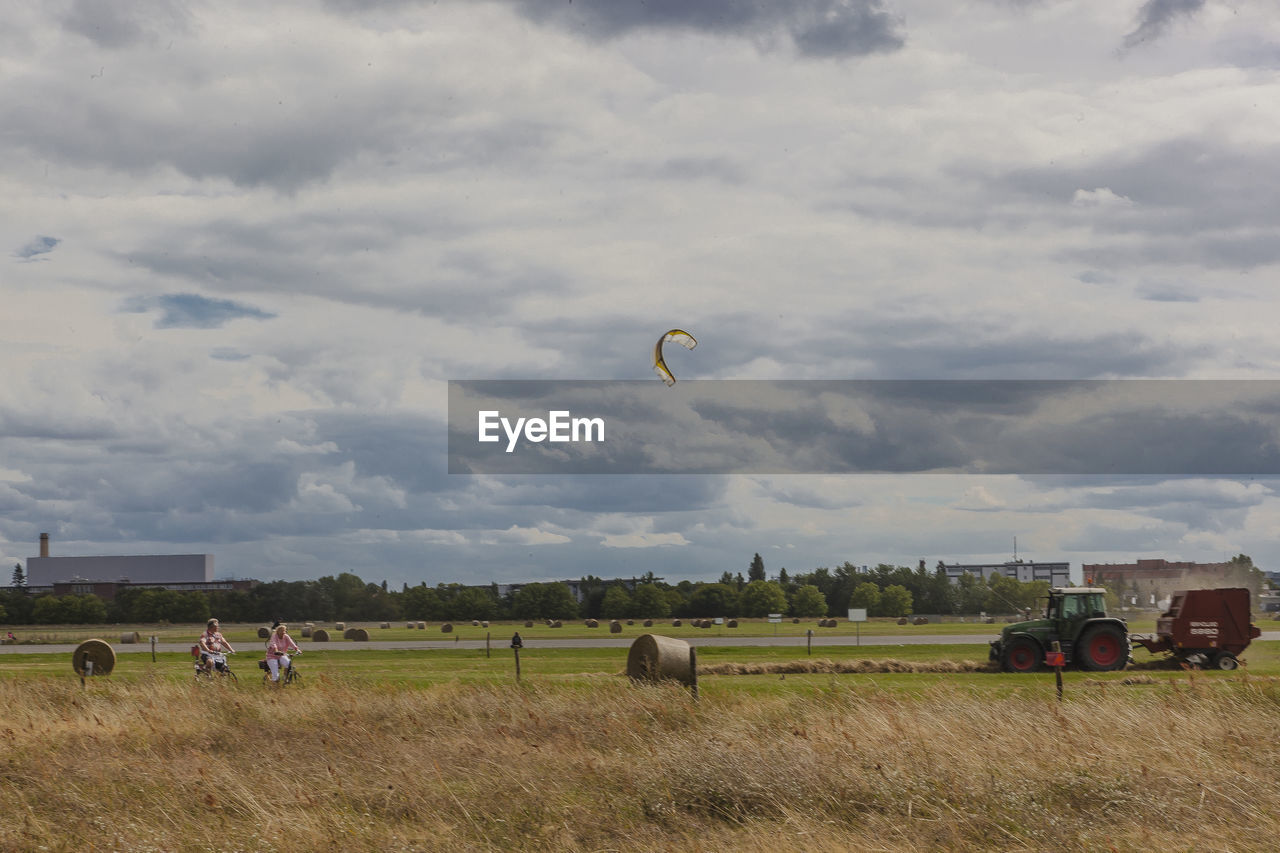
[246,247]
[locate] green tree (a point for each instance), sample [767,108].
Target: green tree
[473,602]
[808,601]
[19,577]
[422,603]
[970,594]
[48,610]
[713,599]
[866,596]
[895,600]
[544,601]
[616,603]
[760,598]
[649,602]
[756,571]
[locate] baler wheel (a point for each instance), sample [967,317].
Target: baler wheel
[1225,661]
[1023,655]
[1103,649]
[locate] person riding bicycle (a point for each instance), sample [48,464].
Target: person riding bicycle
[212,643]
[278,648]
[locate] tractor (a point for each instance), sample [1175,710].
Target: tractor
[1075,619]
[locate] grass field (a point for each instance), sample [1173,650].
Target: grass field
[436,749]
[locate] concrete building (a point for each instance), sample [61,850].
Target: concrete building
[1057,574]
[103,576]
[1147,583]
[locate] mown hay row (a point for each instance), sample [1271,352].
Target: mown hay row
[824,666]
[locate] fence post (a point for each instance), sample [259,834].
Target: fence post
[693,672]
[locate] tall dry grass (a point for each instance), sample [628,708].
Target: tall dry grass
[167,767]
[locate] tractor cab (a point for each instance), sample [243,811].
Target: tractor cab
[1076,619]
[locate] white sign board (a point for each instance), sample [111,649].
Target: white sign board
[775,617]
[857,614]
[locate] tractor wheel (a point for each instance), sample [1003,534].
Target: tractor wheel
[1225,660]
[1102,649]
[1023,654]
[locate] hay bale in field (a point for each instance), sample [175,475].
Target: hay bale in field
[557,624]
[97,651]
[648,623]
[484,623]
[706,623]
[130,637]
[319,635]
[631,621]
[615,627]
[446,628]
[264,633]
[795,621]
[386,625]
[920,620]
[475,623]
[360,635]
[592,623]
[675,623]
[654,658]
[528,623]
[409,625]
[902,620]
[422,626]
[341,626]
[306,630]
[349,633]
[732,623]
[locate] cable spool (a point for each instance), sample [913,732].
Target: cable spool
[98,652]
[653,658]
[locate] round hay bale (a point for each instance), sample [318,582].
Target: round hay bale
[307,630]
[591,623]
[706,623]
[648,623]
[653,658]
[795,621]
[98,651]
[264,633]
[902,620]
[675,623]
[446,628]
[131,637]
[484,623]
[631,621]
[360,635]
[732,623]
[422,626]
[341,626]
[615,627]
[386,625]
[319,635]
[409,625]
[475,623]
[920,620]
[350,633]
[528,623]
[557,624]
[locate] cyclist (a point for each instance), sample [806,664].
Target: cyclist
[211,643]
[278,648]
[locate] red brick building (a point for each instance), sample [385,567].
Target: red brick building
[1148,582]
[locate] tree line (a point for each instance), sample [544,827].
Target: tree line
[886,591]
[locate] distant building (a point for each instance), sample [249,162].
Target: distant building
[1057,574]
[1146,583]
[577,587]
[104,576]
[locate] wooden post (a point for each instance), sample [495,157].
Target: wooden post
[517,651]
[486,644]
[153,648]
[809,641]
[693,672]
[1057,670]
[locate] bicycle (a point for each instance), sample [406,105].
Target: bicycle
[217,666]
[289,676]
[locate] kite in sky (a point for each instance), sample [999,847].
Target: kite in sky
[659,366]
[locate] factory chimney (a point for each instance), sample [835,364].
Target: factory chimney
[44,544]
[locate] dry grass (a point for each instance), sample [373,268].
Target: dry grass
[160,766]
[823,666]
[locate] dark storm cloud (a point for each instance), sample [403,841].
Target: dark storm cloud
[1155,17]
[37,246]
[192,311]
[817,28]
[755,427]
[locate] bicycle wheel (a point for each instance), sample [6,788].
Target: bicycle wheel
[295,677]
[231,676]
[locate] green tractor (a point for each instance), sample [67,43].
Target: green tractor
[1076,619]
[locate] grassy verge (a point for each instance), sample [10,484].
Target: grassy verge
[580,760]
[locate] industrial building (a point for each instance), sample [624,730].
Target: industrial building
[104,576]
[1057,574]
[1148,582]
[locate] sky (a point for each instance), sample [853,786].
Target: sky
[246,248]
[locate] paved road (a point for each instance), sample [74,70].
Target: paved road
[583,643]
